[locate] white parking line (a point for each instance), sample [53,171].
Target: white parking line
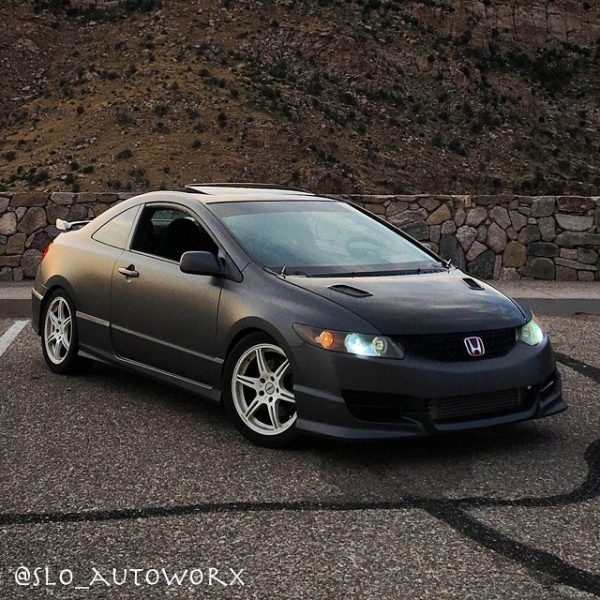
[11,334]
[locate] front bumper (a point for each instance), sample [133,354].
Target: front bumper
[345,396]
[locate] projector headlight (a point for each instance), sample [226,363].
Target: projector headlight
[531,333]
[360,344]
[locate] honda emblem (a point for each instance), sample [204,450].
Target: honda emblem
[475,346]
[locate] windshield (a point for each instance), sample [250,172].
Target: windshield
[319,238]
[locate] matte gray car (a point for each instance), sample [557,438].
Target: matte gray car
[299,313]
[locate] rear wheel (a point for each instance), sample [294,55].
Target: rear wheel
[258,392]
[60,341]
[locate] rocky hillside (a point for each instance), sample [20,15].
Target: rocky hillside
[370,96]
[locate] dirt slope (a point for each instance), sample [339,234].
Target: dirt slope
[372,96]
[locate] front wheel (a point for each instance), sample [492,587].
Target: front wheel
[60,342]
[258,392]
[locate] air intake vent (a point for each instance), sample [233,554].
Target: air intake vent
[472,284]
[350,291]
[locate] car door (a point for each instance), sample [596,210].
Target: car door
[161,317]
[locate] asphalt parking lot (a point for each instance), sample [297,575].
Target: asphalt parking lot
[108,471]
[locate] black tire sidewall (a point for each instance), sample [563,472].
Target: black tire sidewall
[283,440]
[70,363]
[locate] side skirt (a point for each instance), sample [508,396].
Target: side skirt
[201,389]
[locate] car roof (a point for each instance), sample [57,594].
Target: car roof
[228,194]
[215,189]
[210,193]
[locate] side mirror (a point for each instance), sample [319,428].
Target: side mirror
[200,263]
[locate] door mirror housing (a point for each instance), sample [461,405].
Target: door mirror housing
[200,263]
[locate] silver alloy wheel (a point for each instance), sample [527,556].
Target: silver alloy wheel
[261,390]
[58,330]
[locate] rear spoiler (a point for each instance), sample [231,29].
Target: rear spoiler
[63,225]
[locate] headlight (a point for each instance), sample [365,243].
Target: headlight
[361,344]
[531,333]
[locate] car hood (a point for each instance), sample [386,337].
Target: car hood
[420,304]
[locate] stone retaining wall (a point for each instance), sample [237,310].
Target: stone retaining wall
[502,237]
[491,237]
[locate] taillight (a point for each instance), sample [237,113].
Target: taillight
[45,251]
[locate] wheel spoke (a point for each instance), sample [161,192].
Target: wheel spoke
[65,343]
[51,338]
[251,382]
[61,310]
[252,407]
[274,414]
[53,318]
[281,369]
[263,367]
[67,323]
[286,396]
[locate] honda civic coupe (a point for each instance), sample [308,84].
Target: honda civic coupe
[300,314]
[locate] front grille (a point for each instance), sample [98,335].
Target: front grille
[451,347]
[395,408]
[382,408]
[477,406]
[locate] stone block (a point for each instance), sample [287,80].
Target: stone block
[530,233]
[6,274]
[476,216]
[496,238]
[585,276]
[395,208]
[574,222]
[573,264]
[29,199]
[483,266]
[439,215]
[450,249]
[566,274]
[543,206]
[418,230]
[584,255]
[571,239]
[30,262]
[460,216]
[539,268]
[34,219]
[428,203]
[476,249]
[509,274]
[574,204]
[466,236]
[408,216]
[9,261]
[64,198]
[547,228]
[515,254]
[499,214]
[8,223]
[448,227]
[16,244]
[546,249]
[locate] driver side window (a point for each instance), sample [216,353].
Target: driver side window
[168,232]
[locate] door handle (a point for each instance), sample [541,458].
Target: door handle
[129,271]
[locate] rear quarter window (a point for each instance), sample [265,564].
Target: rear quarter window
[116,231]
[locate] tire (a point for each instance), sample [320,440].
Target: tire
[60,340]
[258,392]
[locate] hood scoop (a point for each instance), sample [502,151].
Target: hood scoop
[350,291]
[472,284]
